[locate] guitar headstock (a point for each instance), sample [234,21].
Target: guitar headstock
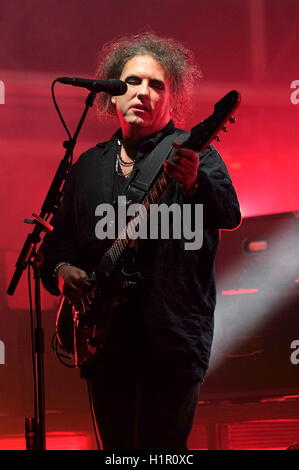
[203,134]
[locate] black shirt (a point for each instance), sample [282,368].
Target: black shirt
[173,314]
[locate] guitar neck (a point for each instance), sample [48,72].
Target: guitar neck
[114,253]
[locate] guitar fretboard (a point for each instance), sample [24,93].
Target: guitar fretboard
[114,253]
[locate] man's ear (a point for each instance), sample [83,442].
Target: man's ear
[113,100]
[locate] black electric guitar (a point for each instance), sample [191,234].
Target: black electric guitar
[82,327]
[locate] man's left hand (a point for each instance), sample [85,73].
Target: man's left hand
[183,168]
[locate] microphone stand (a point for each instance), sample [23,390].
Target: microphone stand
[35,426]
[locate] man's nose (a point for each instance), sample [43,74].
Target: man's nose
[143,89]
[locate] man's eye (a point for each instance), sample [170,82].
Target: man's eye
[157,84]
[133,81]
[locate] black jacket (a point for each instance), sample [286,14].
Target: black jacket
[177,307]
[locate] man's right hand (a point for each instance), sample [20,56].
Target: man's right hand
[73,282]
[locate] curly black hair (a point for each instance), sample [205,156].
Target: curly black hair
[175,58]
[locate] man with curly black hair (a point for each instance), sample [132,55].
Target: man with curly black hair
[144,386]
[176,60]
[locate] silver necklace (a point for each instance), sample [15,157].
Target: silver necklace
[119,161]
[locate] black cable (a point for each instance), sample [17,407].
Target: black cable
[69,144]
[58,110]
[94,420]
[60,355]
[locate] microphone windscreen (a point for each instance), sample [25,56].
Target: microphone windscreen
[117,87]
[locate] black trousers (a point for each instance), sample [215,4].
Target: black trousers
[135,412]
[137,404]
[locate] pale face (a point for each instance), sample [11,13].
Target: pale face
[145,107]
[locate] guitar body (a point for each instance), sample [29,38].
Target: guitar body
[82,329]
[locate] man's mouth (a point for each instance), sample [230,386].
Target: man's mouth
[139,107]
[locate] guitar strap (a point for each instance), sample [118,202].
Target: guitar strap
[145,177]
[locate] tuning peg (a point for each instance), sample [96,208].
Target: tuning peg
[232,119]
[225,129]
[217,138]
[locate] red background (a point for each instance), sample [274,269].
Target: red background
[248,45]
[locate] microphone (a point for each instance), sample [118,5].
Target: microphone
[113,86]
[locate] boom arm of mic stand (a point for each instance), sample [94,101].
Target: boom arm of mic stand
[50,204]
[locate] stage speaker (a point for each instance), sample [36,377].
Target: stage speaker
[256,343]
